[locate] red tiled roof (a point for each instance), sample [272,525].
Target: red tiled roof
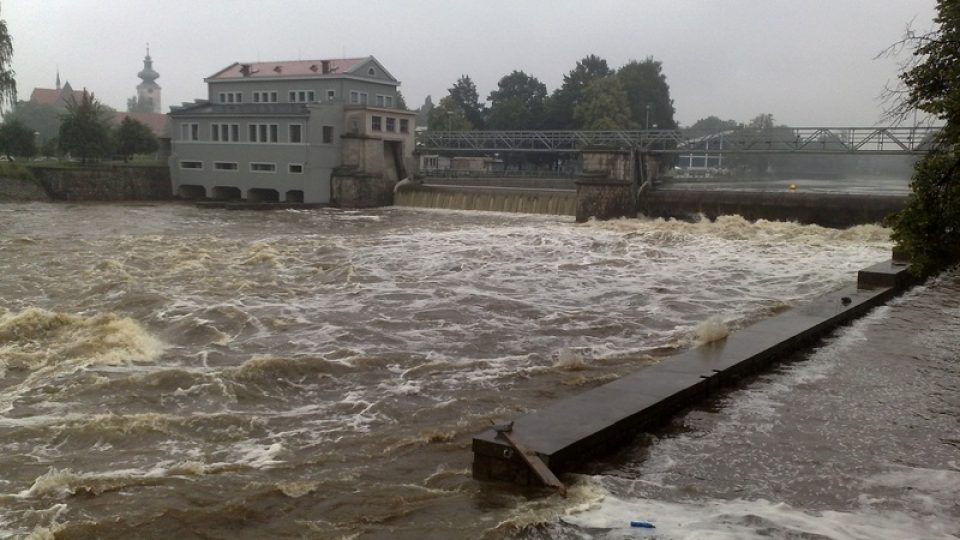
[50,96]
[295,68]
[157,122]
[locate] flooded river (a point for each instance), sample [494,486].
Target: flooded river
[175,372]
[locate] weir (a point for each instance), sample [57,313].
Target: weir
[573,431]
[495,199]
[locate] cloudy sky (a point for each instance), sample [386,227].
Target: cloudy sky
[807,62]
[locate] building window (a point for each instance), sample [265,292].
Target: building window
[358,97]
[302,96]
[327,134]
[292,97]
[390,102]
[231,97]
[225,132]
[263,132]
[404,125]
[263,167]
[264,97]
[391,124]
[311,96]
[381,100]
[371,72]
[190,132]
[225,166]
[295,168]
[296,133]
[331,95]
[376,123]
[191,164]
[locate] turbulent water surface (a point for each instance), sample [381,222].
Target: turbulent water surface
[175,372]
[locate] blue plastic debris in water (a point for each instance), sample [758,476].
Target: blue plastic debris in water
[639,523]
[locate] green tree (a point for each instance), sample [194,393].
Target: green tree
[517,103]
[928,228]
[17,140]
[448,116]
[713,124]
[38,117]
[464,94]
[8,82]
[85,129]
[133,137]
[562,102]
[648,94]
[603,106]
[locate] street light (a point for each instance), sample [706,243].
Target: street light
[647,124]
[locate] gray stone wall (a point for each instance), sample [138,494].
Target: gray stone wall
[21,190]
[120,183]
[353,189]
[605,199]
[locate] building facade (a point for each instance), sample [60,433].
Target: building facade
[279,131]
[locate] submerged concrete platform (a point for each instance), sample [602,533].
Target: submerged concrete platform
[572,431]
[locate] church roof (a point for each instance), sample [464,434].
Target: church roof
[52,96]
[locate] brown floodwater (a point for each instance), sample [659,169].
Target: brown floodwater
[169,371]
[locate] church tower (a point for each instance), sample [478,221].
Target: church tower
[148,91]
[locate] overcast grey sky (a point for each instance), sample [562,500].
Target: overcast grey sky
[808,62]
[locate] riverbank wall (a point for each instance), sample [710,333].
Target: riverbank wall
[87,184]
[571,432]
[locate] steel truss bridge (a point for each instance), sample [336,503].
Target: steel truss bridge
[820,140]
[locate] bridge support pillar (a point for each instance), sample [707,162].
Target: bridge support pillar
[608,187]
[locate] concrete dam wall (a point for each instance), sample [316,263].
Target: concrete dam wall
[825,209]
[495,199]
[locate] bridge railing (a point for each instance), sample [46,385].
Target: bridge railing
[816,140]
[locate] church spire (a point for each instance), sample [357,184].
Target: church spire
[58,79]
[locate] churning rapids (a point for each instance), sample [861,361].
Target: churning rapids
[170,372]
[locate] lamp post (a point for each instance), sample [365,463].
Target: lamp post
[647,124]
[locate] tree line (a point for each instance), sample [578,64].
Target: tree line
[84,131]
[593,96]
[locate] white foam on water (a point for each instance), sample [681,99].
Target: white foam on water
[712,329]
[744,519]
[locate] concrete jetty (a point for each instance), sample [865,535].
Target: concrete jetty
[572,431]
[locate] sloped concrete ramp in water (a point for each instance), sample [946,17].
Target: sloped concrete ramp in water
[559,202]
[572,431]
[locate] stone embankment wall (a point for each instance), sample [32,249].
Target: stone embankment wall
[118,183]
[826,209]
[22,190]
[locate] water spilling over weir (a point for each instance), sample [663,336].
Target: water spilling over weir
[169,371]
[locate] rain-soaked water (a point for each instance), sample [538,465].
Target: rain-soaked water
[175,372]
